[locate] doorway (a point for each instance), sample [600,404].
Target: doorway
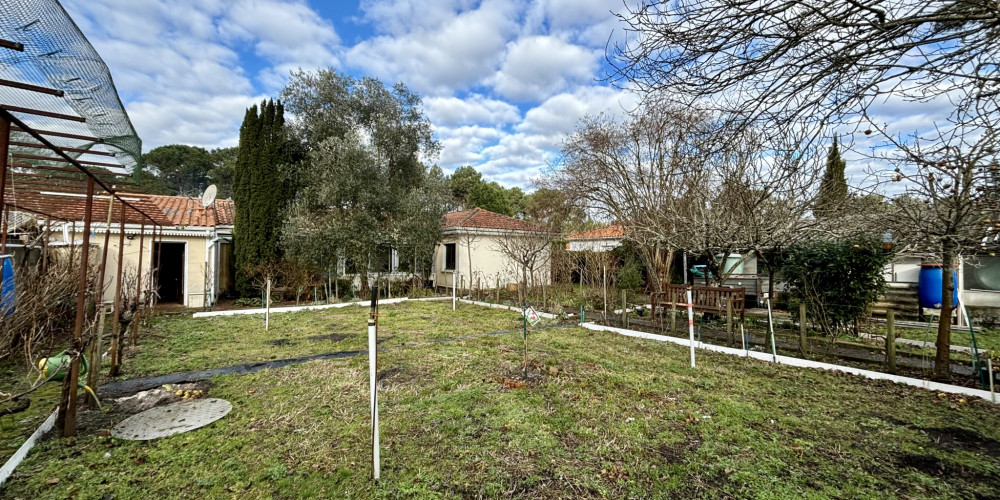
[170,279]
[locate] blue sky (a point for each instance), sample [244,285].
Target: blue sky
[503,81]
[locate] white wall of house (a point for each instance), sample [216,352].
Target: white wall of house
[200,258]
[595,245]
[489,264]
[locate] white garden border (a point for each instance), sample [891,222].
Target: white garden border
[803,363]
[22,452]
[261,310]
[509,308]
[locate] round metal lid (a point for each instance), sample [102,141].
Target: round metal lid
[171,419]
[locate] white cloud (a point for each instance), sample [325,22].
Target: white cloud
[282,32]
[452,111]
[539,66]
[452,56]
[561,113]
[463,145]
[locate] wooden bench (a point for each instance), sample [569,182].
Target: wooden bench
[705,299]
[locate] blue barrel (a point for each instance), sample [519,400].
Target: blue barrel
[930,286]
[8,295]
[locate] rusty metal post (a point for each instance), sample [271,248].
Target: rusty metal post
[98,342]
[3,236]
[45,245]
[67,405]
[116,323]
[137,317]
[159,252]
[4,148]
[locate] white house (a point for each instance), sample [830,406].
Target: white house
[471,252]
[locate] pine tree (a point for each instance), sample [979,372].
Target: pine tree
[833,188]
[258,192]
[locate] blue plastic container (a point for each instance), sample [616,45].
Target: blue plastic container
[930,286]
[8,295]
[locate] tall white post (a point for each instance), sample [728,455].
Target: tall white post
[267,306]
[770,327]
[605,293]
[372,328]
[690,304]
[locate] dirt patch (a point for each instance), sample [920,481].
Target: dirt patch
[279,342]
[675,453]
[163,395]
[330,337]
[953,438]
[927,464]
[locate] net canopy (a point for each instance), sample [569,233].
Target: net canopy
[47,65]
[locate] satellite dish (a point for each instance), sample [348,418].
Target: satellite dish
[209,197]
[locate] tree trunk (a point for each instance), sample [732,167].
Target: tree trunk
[942,360]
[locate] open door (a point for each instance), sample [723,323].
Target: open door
[170,279]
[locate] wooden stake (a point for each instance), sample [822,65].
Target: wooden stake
[267,306]
[803,344]
[729,322]
[890,339]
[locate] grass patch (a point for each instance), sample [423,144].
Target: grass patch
[602,416]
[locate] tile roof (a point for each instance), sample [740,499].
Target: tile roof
[612,231]
[165,210]
[479,218]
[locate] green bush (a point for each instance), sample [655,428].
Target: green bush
[837,280]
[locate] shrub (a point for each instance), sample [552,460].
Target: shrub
[837,280]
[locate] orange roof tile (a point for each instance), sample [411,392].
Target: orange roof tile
[480,218]
[612,231]
[165,210]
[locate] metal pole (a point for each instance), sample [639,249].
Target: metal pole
[372,388]
[3,235]
[690,306]
[989,371]
[4,149]
[770,327]
[605,294]
[67,406]
[137,317]
[116,324]
[267,306]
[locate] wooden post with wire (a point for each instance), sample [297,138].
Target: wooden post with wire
[890,339]
[116,318]
[67,403]
[137,316]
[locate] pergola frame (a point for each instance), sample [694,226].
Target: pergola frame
[66,421]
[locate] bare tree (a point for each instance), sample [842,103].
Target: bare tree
[675,180]
[807,62]
[528,252]
[950,204]
[805,65]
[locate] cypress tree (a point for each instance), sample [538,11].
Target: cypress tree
[833,187]
[257,192]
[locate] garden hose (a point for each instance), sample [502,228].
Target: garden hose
[56,368]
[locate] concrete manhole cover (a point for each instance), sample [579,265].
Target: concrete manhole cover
[171,419]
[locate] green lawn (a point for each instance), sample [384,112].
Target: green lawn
[601,416]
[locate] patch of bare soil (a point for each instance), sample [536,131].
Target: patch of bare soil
[164,395]
[330,337]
